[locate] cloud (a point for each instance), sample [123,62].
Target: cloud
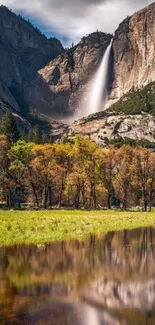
[72,19]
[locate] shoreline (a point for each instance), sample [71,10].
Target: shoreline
[40,227]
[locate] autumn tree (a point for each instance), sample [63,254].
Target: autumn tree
[79,175]
[151,182]
[61,154]
[4,165]
[123,176]
[84,157]
[42,166]
[47,170]
[106,168]
[144,173]
[20,156]
[77,187]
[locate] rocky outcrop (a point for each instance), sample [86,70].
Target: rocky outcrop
[134,52]
[6,99]
[52,128]
[58,89]
[57,130]
[105,128]
[23,50]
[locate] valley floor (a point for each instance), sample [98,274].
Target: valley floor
[27,227]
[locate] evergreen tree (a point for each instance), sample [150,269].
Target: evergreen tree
[45,138]
[30,135]
[37,135]
[9,128]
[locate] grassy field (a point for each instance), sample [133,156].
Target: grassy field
[27,227]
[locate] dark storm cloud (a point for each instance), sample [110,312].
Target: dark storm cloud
[72,19]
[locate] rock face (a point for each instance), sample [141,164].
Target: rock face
[103,130]
[54,82]
[60,84]
[6,99]
[23,50]
[134,52]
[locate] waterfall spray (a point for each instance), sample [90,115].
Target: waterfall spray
[98,88]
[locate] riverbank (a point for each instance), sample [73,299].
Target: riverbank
[28,227]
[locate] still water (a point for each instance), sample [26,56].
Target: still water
[108,280]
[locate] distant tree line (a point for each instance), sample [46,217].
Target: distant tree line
[27,21]
[73,175]
[36,134]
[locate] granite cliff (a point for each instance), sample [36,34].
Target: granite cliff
[53,81]
[59,86]
[23,49]
[134,52]
[7,101]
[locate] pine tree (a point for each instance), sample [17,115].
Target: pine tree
[45,138]
[30,135]
[37,135]
[9,128]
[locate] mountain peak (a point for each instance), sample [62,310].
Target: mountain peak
[24,50]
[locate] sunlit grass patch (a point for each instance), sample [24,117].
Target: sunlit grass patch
[17,227]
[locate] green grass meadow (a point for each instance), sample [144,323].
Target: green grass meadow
[27,227]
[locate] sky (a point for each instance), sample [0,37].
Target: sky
[70,20]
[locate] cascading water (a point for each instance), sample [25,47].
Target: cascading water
[98,88]
[95,95]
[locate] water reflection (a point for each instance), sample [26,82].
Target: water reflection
[108,280]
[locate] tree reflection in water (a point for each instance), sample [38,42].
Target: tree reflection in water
[107,280]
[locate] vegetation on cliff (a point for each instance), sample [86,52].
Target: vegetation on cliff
[136,101]
[119,142]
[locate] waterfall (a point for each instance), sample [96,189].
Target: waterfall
[98,87]
[95,95]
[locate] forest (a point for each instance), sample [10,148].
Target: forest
[78,175]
